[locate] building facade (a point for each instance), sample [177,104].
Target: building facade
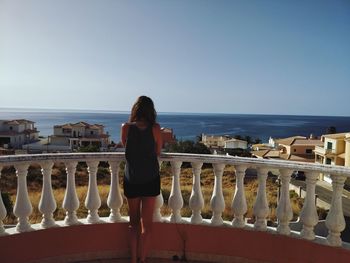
[335,150]
[80,134]
[15,133]
[296,148]
[168,136]
[212,141]
[235,144]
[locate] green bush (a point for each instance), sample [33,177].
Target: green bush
[188,147]
[89,148]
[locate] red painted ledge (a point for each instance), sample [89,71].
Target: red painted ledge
[199,241]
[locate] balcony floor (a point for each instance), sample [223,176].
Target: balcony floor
[150,260]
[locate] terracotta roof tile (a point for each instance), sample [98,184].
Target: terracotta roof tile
[289,140]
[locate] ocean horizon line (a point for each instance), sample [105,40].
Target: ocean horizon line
[63,110]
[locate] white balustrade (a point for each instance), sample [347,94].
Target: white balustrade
[93,200]
[196,202]
[175,201]
[308,214]
[47,203]
[157,216]
[71,201]
[217,201]
[239,202]
[3,212]
[114,200]
[284,209]
[23,207]
[335,221]
[261,206]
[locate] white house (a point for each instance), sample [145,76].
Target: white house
[15,133]
[213,141]
[79,134]
[235,144]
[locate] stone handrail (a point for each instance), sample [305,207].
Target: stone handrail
[334,222]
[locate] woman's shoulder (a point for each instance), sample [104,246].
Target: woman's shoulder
[127,124]
[156,126]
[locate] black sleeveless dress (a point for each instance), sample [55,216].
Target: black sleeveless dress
[141,178]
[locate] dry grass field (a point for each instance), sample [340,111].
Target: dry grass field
[8,185]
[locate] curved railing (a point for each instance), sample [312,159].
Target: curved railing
[334,222]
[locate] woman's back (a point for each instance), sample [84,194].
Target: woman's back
[140,153]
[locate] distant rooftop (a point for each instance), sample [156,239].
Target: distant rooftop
[17,121]
[79,124]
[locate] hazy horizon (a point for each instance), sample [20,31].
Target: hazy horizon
[158,112]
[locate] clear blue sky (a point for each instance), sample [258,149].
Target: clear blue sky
[278,57]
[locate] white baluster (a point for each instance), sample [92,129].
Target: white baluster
[3,213]
[175,199]
[217,202]
[23,208]
[239,202]
[284,209]
[308,215]
[335,221]
[115,200]
[47,204]
[157,216]
[196,200]
[71,201]
[93,200]
[261,207]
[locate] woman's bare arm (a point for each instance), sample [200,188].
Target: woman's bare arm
[124,133]
[158,138]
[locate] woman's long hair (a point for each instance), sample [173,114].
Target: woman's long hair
[143,109]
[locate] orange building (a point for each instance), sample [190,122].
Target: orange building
[168,136]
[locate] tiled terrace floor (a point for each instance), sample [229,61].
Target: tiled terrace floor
[160,260]
[151,260]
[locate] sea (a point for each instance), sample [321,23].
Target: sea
[187,126]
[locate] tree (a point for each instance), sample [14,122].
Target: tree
[331,130]
[199,138]
[188,147]
[248,139]
[257,141]
[238,137]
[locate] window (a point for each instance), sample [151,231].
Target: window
[91,132]
[11,128]
[329,146]
[308,151]
[328,161]
[295,150]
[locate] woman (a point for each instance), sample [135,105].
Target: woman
[141,138]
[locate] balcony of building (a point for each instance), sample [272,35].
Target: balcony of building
[104,239]
[320,150]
